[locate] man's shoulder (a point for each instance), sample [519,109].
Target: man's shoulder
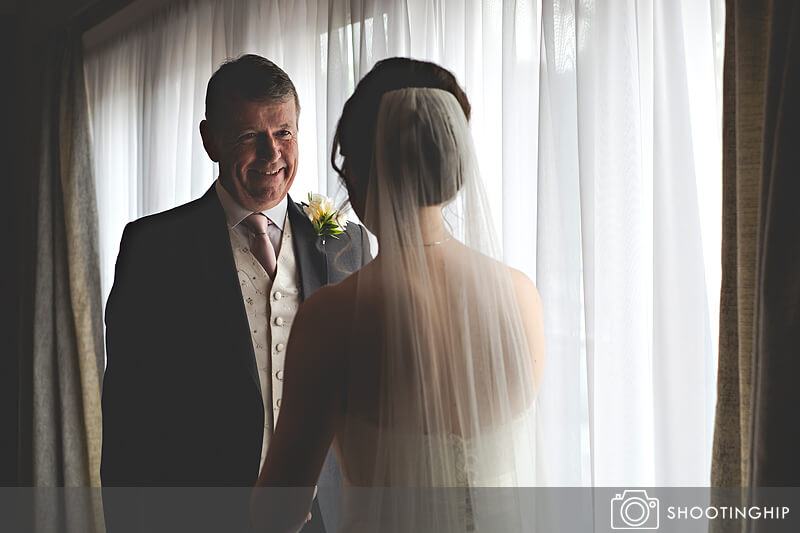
[177,219]
[354,229]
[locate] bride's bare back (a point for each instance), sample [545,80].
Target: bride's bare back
[361,300]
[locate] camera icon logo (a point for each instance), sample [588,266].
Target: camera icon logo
[633,509]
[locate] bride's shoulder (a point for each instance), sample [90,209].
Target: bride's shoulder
[521,283]
[328,306]
[329,297]
[528,299]
[529,304]
[319,327]
[523,286]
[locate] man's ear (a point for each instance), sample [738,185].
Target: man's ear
[209,143]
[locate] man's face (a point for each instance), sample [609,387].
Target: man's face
[255,144]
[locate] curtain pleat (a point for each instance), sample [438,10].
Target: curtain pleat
[67,357]
[745,53]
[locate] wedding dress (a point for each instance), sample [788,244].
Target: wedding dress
[447,404]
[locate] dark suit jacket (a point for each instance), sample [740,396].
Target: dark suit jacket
[181,398]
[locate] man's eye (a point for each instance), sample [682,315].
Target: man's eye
[247,136]
[284,133]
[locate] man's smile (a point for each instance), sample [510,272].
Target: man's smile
[268,172]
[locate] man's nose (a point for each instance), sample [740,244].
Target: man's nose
[268,148]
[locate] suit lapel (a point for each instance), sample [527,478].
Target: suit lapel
[312,262]
[218,279]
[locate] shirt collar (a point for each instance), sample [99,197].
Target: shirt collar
[235,213]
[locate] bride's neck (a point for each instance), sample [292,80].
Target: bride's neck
[431,224]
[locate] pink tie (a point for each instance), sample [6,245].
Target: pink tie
[260,244]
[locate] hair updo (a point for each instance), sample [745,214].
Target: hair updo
[355,132]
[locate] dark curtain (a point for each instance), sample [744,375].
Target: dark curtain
[776,395]
[755,443]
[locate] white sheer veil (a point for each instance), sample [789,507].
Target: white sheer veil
[454,404]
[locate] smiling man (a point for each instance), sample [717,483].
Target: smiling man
[204,296]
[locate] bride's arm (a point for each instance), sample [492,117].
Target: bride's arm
[530,308]
[311,408]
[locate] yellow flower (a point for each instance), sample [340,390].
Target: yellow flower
[322,213]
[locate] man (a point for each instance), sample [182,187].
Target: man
[203,299]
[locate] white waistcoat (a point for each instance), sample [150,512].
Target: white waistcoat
[271,306]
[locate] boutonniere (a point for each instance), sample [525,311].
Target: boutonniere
[326,219]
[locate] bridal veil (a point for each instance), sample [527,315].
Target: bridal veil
[454,402]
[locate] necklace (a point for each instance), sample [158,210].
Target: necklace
[437,242]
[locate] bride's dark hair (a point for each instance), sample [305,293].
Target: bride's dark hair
[355,132]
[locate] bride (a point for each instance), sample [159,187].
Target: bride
[422,368]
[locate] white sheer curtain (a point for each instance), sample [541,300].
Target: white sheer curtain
[629,147]
[598,135]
